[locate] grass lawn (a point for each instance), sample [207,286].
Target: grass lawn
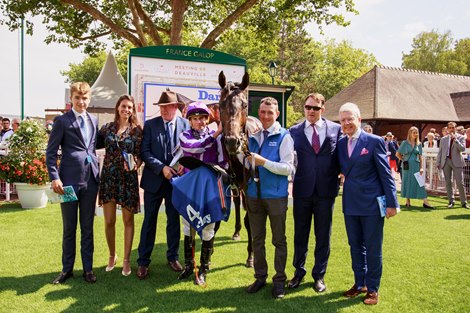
[426,269]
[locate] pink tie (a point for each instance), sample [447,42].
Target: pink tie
[315,140]
[350,146]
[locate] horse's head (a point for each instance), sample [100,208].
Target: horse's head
[233,107]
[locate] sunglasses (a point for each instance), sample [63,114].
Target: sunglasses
[312,107]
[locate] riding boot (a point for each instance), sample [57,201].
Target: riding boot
[188,258]
[206,251]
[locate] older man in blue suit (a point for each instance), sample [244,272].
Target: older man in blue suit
[75,133]
[367,176]
[159,139]
[315,187]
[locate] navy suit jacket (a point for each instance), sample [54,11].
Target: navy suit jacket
[74,166]
[153,151]
[366,175]
[316,171]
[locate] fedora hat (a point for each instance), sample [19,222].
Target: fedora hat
[168,97]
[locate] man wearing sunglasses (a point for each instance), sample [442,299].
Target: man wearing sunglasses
[315,187]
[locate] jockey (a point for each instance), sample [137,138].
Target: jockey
[204,144]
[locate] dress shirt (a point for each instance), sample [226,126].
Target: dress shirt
[320,125]
[88,124]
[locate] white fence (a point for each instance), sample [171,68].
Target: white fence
[435,182]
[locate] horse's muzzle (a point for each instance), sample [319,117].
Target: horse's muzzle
[232,144]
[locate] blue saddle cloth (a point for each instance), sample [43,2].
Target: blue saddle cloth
[201,198]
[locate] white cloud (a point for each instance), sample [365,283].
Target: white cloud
[412,29]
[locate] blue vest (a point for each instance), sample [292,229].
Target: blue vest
[273,186]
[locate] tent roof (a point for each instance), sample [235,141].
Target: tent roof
[109,85]
[401,94]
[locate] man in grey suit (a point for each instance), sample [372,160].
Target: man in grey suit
[451,161]
[75,133]
[160,138]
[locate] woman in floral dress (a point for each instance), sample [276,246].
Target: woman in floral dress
[118,183]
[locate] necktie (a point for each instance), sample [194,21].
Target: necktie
[168,140]
[350,146]
[450,148]
[83,129]
[265,134]
[315,140]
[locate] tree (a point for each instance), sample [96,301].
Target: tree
[434,52]
[149,22]
[462,53]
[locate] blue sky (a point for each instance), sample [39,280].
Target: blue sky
[384,28]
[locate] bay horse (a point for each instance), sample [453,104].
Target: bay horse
[233,107]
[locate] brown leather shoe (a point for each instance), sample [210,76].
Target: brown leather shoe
[89,277]
[372,298]
[175,266]
[354,291]
[142,272]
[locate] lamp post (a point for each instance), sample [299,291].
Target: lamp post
[272,70]
[22,69]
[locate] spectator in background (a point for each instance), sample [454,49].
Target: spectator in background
[444,131]
[460,130]
[391,147]
[450,160]
[410,152]
[368,129]
[6,131]
[467,138]
[15,124]
[49,125]
[430,141]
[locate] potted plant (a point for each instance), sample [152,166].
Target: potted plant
[25,164]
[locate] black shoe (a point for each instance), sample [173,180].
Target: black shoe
[188,271]
[278,291]
[451,205]
[62,277]
[89,277]
[465,206]
[256,286]
[319,285]
[427,206]
[294,282]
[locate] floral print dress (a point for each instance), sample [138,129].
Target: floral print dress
[116,183]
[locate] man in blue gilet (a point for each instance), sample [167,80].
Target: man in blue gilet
[273,153]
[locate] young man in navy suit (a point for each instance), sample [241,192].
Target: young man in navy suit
[159,139]
[75,133]
[364,164]
[315,188]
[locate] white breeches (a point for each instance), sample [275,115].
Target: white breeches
[207,232]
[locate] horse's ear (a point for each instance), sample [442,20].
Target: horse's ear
[222,80]
[245,81]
